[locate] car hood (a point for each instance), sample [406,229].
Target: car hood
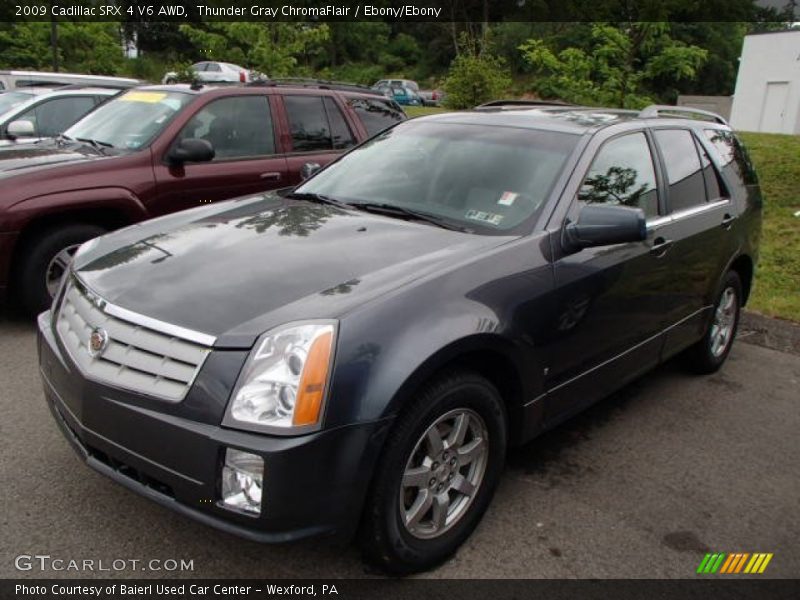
[20,158]
[240,267]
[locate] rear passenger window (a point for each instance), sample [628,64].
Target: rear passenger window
[623,173]
[376,115]
[340,132]
[733,155]
[715,189]
[684,172]
[316,124]
[237,127]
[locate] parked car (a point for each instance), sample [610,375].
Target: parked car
[404,96]
[359,352]
[10,80]
[214,72]
[426,97]
[48,115]
[159,149]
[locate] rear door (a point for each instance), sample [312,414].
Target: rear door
[697,241]
[609,300]
[318,131]
[241,130]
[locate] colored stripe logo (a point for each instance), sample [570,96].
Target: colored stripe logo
[734,563]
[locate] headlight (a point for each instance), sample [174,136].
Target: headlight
[283,384]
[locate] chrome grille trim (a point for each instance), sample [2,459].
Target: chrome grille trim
[143,355]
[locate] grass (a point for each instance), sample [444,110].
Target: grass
[776,291]
[777,286]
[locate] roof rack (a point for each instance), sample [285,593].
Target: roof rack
[657,110]
[310,82]
[515,103]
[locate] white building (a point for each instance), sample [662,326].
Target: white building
[767,96]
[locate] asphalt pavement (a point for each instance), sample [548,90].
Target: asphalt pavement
[641,485]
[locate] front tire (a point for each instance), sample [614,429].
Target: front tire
[45,259]
[709,354]
[437,475]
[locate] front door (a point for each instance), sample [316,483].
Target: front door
[609,300]
[246,161]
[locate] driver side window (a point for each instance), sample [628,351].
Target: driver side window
[622,173]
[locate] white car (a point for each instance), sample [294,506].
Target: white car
[214,72]
[26,80]
[28,117]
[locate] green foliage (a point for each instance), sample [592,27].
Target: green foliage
[271,48]
[617,67]
[476,75]
[83,47]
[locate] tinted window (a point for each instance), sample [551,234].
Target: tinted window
[623,173]
[213,67]
[715,188]
[684,174]
[54,116]
[733,155]
[309,123]
[199,66]
[376,115]
[237,127]
[342,138]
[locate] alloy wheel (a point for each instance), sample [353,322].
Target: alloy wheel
[443,473]
[724,322]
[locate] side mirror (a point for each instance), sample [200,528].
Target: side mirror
[309,169]
[21,128]
[604,225]
[191,150]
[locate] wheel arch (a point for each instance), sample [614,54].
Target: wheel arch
[743,266]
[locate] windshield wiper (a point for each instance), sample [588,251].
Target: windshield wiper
[391,210]
[95,143]
[321,198]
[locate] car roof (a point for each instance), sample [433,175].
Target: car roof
[223,89]
[567,119]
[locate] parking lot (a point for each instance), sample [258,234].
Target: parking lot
[641,485]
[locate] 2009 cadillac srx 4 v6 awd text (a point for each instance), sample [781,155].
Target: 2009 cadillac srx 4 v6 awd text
[355,354]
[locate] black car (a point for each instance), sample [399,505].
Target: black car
[357,353]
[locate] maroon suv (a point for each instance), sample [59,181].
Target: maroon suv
[160,149]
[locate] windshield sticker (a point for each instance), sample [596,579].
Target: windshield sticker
[486,217]
[151,97]
[507,199]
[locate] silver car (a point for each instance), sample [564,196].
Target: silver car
[214,72]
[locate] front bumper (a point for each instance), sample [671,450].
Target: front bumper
[313,484]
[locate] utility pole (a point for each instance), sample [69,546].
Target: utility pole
[54,43]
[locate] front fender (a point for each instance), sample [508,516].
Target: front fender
[118,199]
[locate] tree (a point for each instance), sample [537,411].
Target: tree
[272,48]
[476,75]
[618,66]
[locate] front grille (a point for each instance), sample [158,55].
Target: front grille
[136,357]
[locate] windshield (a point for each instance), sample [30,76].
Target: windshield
[483,178]
[9,100]
[130,121]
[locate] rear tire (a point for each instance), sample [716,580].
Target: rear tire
[44,260]
[709,354]
[428,496]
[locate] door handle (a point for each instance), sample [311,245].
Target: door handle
[727,221]
[271,176]
[660,247]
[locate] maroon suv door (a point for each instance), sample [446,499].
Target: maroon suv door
[248,157]
[318,130]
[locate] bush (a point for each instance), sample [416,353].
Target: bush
[474,79]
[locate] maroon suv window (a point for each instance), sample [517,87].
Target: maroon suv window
[316,124]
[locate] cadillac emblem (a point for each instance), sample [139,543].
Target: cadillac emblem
[98,341]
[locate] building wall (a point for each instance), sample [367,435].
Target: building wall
[767,96]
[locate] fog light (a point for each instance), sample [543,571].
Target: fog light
[242,478]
